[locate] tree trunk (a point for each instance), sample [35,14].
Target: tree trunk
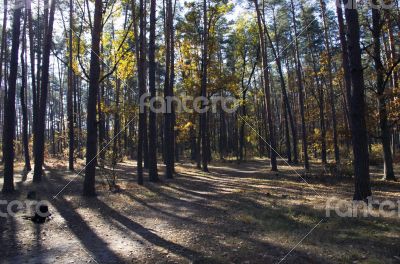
[359,129]
[117,124]
[24,110]
[330,80]
[153,174]
[203,115]
[40,129]
[3,93]
[301,90]
[288,108]
[70,106]
[345,54]
[380,83]
[267,92]
[91,143]
[142,91]
[9,110]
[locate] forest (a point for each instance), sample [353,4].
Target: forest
[200,131]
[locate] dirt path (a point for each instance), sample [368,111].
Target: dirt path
[236,214]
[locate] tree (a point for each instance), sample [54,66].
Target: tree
[267,92]
[142,90]
[94,81]
[168,92]
[3,93]
[41,118]
[24,110]
[380,85]
[300,89]
[203,115]
[357,111]
[70,106]
[288,109]
[330,80]
[153,174]
[345,53]
[9,110]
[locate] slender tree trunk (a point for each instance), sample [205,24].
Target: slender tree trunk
[203,116]
[301,90]
[330,80]
[288,110]
[3,92]
[142,91]
[171,11]
[40,133]
[392,43]
[153,174]
[380,83]
[25,137]
[267,92]
[9,113]
[117,123]
[242,127]
[33,72]
[359,129]
[345,53]
[168,92]
[91,144]
[70,106]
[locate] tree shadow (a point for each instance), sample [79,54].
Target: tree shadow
[148,235]
[84,233]
[90,240]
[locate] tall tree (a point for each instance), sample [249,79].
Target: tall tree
[24,108]
[357,111]
[142,90]
[9,110]
[41,119]
[203,116]
[300,89]
[153,174]
[288,108]
[168,92]
[345,53]
[330,79]
[94,81]
[3,93]
[266,85]
[70,106]
[377,24]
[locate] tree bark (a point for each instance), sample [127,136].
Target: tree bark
[40,129]
[345,53]
[3,93]
[24,110]
[91,143]
[142,91]
[362,188]
[203,115]
[267,92]
[168,92]
[380,83]
[153,173]
[330,81]
[301,90]
[288,108]
[9,111]
[70,106]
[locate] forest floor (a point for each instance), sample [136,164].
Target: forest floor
[234,214]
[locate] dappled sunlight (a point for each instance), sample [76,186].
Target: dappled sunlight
[217,216]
